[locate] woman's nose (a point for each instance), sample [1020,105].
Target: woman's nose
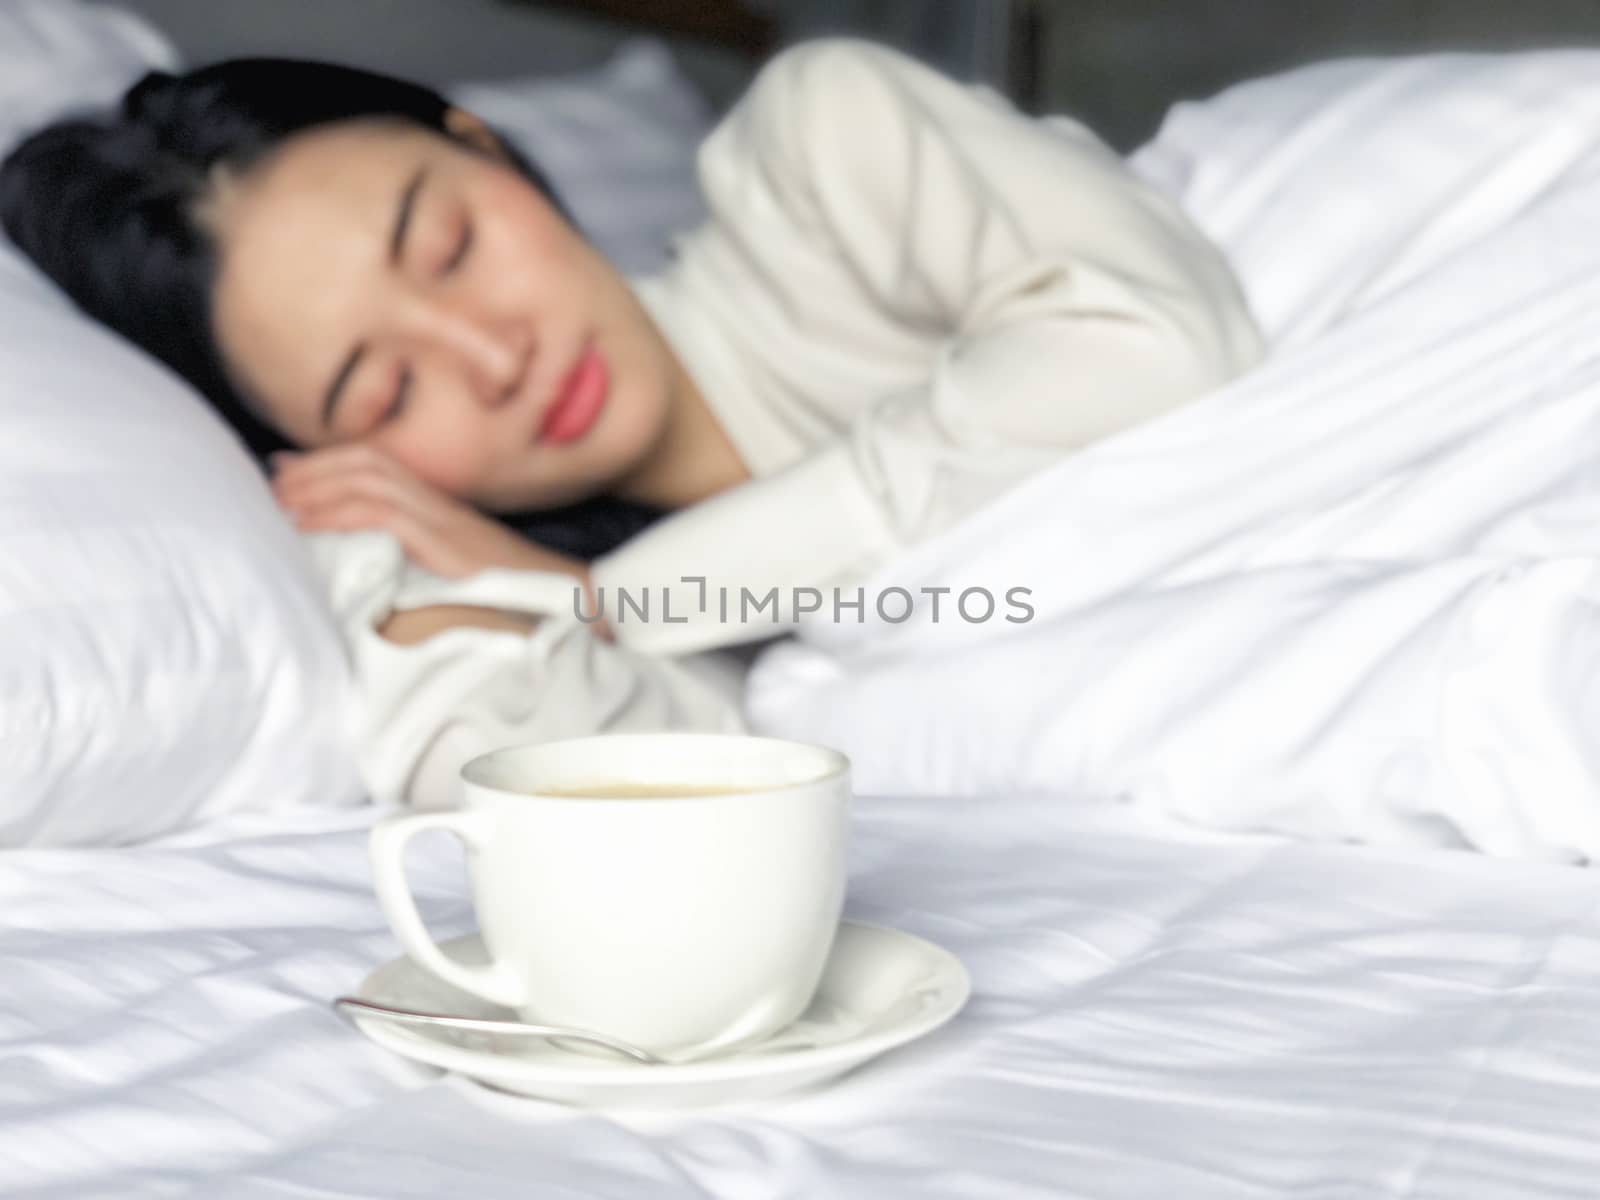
[495,355]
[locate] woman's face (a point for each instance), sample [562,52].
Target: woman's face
[380,282]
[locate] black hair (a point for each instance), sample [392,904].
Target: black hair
[107,206]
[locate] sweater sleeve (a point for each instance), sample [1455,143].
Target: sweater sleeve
[1068,300]
[419,712]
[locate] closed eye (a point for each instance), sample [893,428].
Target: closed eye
[461,250]
[397,406]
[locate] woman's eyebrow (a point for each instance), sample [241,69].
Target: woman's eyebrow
[397,241]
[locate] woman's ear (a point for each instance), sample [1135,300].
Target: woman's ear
[468,128]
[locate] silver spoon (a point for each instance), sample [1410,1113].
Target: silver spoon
[485,1025]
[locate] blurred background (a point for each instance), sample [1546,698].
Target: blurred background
[1117,64]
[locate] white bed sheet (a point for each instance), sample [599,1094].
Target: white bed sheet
[1154,1014]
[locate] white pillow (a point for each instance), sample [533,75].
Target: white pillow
[618,144]
[166,654]
[1334,185]
[56,56]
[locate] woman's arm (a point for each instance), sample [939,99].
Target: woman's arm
[408,626]
[1061,300]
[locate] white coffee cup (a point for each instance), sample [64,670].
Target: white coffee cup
[685,924]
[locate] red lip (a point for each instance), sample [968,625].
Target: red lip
[578,402]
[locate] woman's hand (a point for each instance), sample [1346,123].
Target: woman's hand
[356,486]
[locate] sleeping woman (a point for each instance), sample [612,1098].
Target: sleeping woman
[907,297]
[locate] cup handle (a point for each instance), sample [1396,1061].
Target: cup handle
[387,845]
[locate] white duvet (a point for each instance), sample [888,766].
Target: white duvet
[1350,595]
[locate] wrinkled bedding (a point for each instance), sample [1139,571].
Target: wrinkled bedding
[1351,594]
[1154,1013]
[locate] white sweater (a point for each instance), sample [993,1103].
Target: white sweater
[908,297]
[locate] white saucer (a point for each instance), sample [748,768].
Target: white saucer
[880,989]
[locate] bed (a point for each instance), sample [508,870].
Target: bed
[1168,999]
[1155,1013]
